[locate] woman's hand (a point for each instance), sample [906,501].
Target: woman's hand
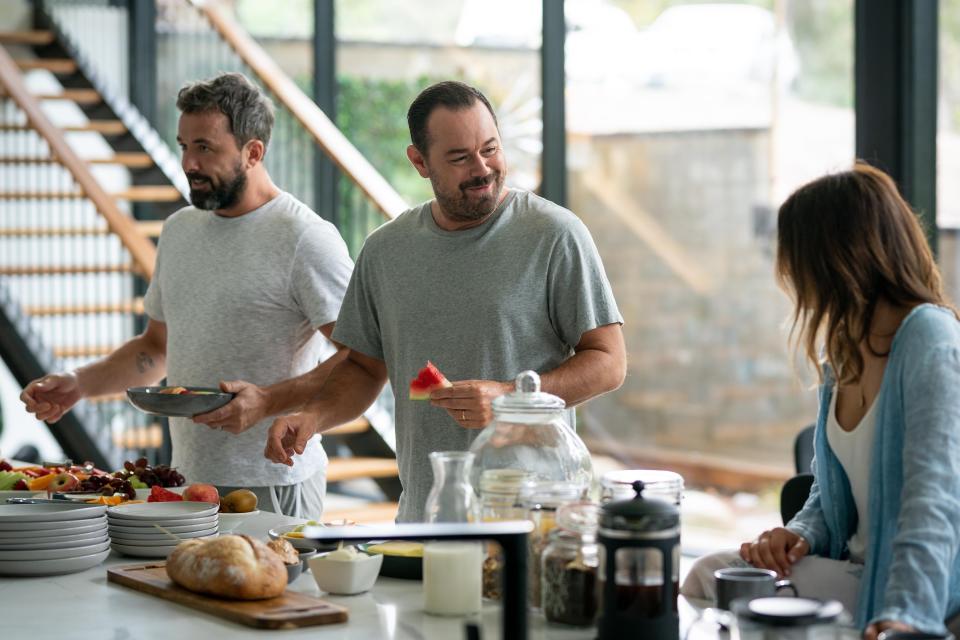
[875,629]
[776,549]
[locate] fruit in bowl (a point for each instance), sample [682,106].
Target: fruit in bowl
[345,571]
[200,492]
[238,501]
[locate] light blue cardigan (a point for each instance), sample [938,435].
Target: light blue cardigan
[912,565]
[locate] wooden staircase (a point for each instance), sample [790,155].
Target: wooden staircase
[144,202]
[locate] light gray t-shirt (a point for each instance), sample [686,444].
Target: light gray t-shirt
[514,293]
[242,299]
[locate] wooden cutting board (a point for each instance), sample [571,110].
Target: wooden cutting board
[288,611]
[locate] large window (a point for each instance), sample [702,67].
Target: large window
[687,125]
[948,147]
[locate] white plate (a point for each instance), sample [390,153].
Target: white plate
[147,528]
[230,521]
[21,494]
[164,541]
[51,567]
[142,552]
[20,529]
[49,512]
[56,543]
[161,511]
[147,525]
[54,554]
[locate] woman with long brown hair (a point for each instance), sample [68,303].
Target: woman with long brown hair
[881,528]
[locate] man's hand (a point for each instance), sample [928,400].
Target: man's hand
[52,396]
[469,402]
[875,629]
[246,409]
[776,549]
[288,436]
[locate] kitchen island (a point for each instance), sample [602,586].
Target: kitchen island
[86,605]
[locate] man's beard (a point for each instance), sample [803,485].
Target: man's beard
[219,197]
[459,207]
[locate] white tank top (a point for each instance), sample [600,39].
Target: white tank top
[854,450]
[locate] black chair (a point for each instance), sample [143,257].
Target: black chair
[796,490]
[803,450]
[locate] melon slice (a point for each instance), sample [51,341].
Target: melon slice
[428,379]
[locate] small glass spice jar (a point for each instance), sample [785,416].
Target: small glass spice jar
[541,501]
[499,489]
[569,567]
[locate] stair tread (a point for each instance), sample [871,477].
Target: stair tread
[137,193]
[128,159]
[33,270]
[53,65]
[340,469]
[127,306]
[104,127]
[357,426]
[31,37]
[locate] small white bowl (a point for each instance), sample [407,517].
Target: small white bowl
[230,521]
[346,577]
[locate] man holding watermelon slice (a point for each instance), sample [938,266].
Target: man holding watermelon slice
[484,281]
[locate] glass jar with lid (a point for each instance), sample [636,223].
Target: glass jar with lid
[569,567]
[499,491]
[529,433]
[541,500]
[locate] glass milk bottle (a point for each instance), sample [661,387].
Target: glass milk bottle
[452,571]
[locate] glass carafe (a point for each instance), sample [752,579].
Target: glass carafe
[452,571]
[529,433]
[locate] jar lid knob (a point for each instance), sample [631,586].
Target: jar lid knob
[528,382]
[638,487]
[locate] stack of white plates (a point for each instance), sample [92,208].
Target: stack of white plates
[154,529]
[49,539]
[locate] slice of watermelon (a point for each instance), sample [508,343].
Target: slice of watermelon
[428,379]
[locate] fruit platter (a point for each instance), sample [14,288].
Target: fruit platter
[177,402]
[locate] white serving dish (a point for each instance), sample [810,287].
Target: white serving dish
[346,577]
[56,543]
[49,512]
[54,554]
[51,567]
[300,544]
[230,521]
[163,511]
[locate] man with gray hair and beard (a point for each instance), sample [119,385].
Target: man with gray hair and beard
[247,279]
[483,280]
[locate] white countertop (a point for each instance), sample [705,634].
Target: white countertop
[85,605]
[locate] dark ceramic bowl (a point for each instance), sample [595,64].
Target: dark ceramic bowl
[173,405]
[294,570]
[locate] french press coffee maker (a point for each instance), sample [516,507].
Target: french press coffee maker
[639,542]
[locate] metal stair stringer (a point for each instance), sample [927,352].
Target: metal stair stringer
[28,358]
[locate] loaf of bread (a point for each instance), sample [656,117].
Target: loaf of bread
[229,566]
[285,550]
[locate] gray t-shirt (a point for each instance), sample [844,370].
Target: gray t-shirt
[242,299]
[514,293]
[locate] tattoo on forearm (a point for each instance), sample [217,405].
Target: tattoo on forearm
[144,362]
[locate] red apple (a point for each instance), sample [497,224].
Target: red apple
[63,482]
[199,492]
